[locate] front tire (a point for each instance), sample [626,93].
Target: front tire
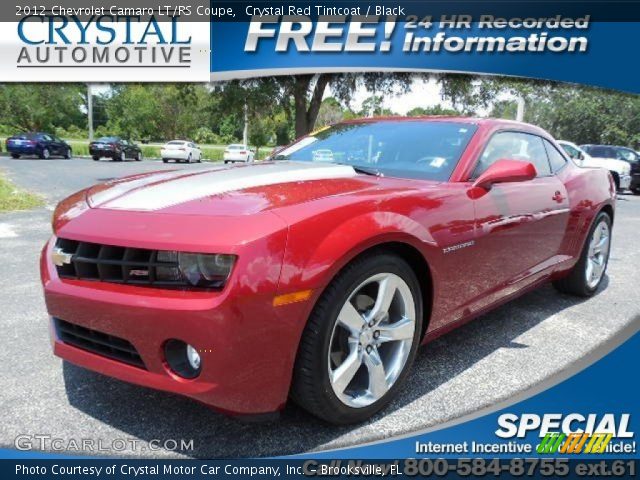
[95,158]
[360,341]
[45,154]
[138,156]
[585,277]
[15,155]
[165,160]
[67,154]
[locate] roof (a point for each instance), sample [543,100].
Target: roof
[488,122]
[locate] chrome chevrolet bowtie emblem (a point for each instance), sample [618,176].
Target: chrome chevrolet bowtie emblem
[60,258]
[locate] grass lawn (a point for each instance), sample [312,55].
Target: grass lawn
[13,198]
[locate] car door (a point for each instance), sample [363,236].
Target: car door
[57,146]
[519,226]
[50,144]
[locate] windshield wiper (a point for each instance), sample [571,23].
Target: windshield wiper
[366,170]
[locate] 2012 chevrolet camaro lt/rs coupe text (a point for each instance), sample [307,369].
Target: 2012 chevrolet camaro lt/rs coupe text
[317,277]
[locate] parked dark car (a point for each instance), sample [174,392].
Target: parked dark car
[116,148]
[44,145]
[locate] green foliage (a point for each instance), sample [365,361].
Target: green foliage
[570,112]
[432,110]
[42,107]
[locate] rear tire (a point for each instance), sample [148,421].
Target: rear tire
[15,155]
[95,158]
[165,160]
[318,383]
[578,281]
[636,191]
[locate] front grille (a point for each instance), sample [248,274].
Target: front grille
[113,264]
[97,342]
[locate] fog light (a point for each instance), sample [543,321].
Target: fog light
[193,357]
[183,359]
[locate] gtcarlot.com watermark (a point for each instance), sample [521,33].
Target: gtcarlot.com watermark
[58,444]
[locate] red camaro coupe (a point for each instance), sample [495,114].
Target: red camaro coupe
[314,276]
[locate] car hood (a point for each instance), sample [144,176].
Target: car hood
[233,191]
[611,163]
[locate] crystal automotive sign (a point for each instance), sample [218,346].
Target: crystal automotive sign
[106,47]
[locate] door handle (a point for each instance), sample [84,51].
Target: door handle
[558,197]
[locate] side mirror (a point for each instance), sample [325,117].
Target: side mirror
[504,171]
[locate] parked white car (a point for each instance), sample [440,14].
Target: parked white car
[237,152]
[181,151]
[601,156]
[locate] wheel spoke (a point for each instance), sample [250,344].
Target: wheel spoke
[377,377]
[400,330]
[590,268]
[350,318]
[342,376]
[387,288]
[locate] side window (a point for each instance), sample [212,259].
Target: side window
[572,152]
[47,138]
[514,146]
[556,159]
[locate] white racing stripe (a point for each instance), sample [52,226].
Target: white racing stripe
[180,190]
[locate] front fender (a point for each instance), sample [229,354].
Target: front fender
[317,249]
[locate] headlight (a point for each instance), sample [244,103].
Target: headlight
[203,270]
[195,269]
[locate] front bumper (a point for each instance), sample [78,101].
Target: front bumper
[247,345]
[625,182]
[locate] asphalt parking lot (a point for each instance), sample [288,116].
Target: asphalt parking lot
[490,360]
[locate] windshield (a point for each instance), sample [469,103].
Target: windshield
[420,149]
[627,155]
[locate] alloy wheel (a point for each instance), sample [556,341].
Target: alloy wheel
[598,254]
[371,340]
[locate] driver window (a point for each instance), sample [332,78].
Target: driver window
[514,146]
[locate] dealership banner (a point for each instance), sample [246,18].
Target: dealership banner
[99,42]
[137,271]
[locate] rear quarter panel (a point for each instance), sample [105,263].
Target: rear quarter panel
[590,190]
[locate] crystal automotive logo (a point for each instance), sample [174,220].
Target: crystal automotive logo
[102,41]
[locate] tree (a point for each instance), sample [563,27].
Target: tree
[43,107]
[433,110]
[330,112]
[260,133]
